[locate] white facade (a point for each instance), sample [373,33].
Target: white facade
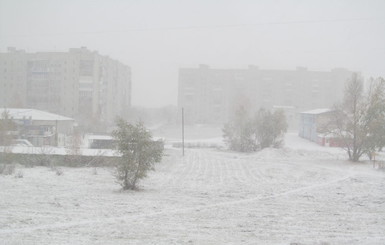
[79,83]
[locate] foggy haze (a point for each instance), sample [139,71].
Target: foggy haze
[192,122]
[156,38]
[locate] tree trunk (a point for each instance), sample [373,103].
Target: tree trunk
[126,184]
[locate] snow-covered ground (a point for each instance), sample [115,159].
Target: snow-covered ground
[51,150]
[303,193]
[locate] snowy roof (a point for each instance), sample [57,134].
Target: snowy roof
[108,137]
[99,137]
[317,111]
[283,107]
[37,115]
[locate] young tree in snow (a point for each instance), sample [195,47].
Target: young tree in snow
[360,120]
[138,151]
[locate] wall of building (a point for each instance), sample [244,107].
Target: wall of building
[80,83]
[13,73]
[308,127]
[52,82]
[211,95]
[314,127]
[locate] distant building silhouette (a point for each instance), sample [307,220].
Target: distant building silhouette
[79,83]
[212,95]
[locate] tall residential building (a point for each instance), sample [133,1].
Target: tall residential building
[211,95]
[13,78]
[79,83]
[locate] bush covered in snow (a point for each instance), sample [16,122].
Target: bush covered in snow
[246,133]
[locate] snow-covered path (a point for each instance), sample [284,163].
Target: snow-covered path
[207,197]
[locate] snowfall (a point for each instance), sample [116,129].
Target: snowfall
[300,194]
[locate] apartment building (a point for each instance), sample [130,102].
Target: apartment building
[80,83]
[211,95]
[13,77]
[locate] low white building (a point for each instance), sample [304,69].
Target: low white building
[99,141]
[41,127]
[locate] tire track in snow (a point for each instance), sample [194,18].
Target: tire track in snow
[225,165]
[200,172]
[209,175]
[188,164]
[248,171]
[219,165]
[195,169]
[174,169]
[240,174]
[255,174]
[133,218]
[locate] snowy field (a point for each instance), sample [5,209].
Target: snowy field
[303,194]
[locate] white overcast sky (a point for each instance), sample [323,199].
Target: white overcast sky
[158,37]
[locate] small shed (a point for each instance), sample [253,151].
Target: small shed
[313,124]
[41,127]
[100,141]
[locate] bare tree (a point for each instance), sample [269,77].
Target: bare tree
[360,118]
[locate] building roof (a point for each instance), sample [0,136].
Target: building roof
[283,107]
[37,115]
[317,111]
[99,137]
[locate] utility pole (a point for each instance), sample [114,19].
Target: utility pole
[182,131]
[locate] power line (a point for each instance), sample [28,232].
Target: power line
[181,28]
